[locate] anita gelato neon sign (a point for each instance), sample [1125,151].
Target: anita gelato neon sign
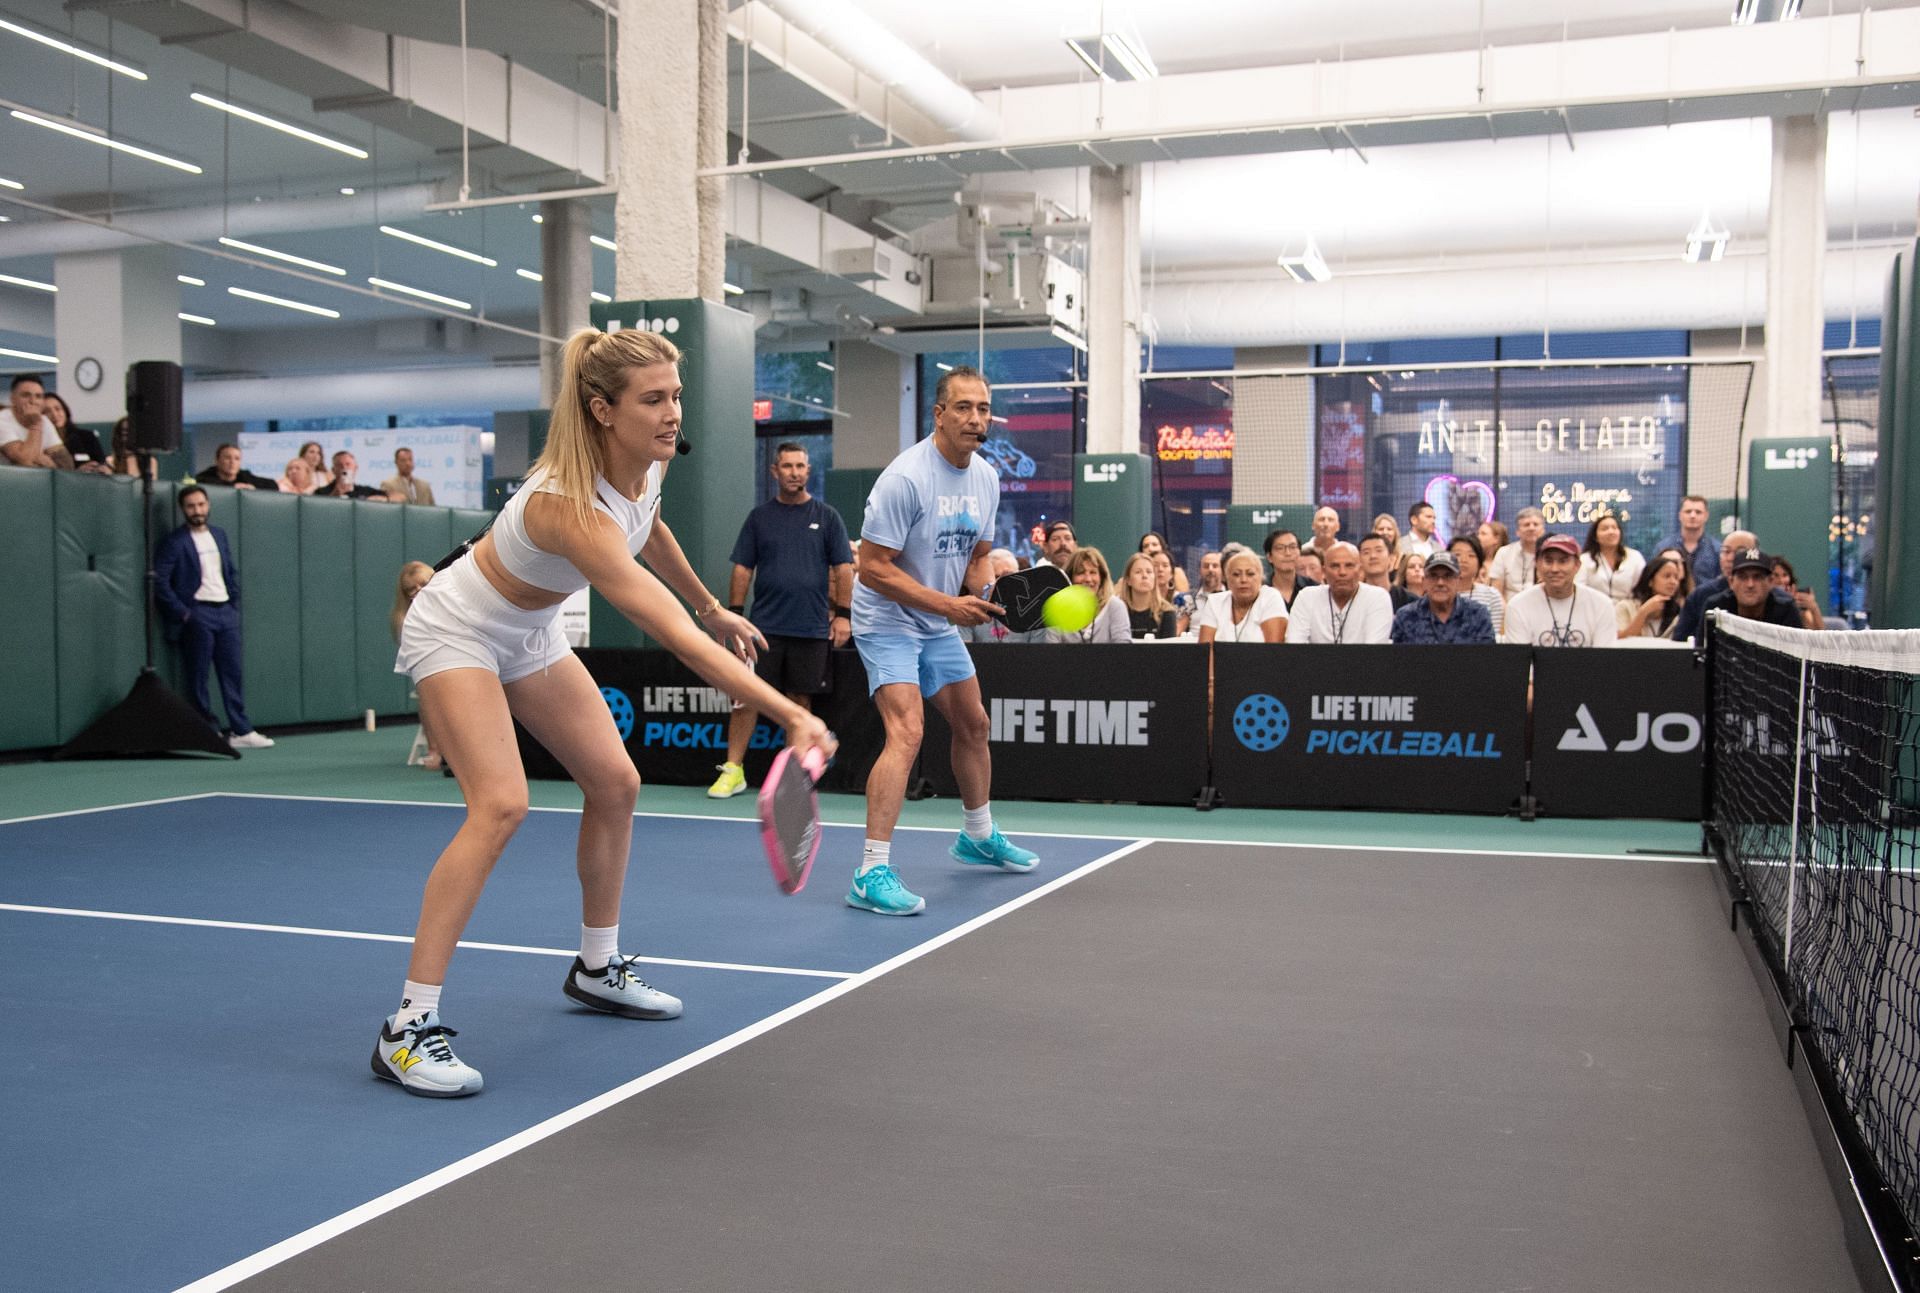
[1550,435]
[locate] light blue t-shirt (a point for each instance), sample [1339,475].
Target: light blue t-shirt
[933,514]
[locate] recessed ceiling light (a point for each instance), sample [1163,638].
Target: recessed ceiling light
[601,297]
[287,256]
[28,354]
[461,252]
[732,290]
[539,219]
[347,192]
[529,274]
[6,183]
[119,145]
[284,303]
[598,241]
[75,50]
[422,293]
[191,281]
[274,123]
[200,319]
[33,283]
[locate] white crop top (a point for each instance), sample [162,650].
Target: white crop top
[556,574]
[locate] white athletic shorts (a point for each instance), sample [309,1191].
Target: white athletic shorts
[460,621]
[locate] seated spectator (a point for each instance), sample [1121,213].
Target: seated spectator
[1749,591]
[1410,573]
[1693,622]
[1247,611]
[1153,541]
[1511,568]
[1170,581]
[1493,536]
[298,478]
[1654,608]
[82,445]
[124,459]
[1557,611]
[1376,568]
[317,460]
[403,486]
[1212,574]
[1149,613]
[1311,568]
[1442,617]
[1088,568]
[1342,611]
[1420,537]
[1057,543]
[226,470]
[1787,582]
[1467,556]
[1001,562]
[1607,564]
[413,577]
[1389,529]
[341,485]
[1286,558]
[27,438]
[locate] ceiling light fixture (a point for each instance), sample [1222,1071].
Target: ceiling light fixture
[539,219]
[347,192]
[1705,242]
[1303,263]
[1748,12]
[1114,56]
[75,50]
[284,303]
[601,297]
[200,319]
[530,276]
[732,290]
[191,281]
[821,363]
[287,256]
[28,354]
[33,283]
[274,123]
[422,293]
[94,137]
[607,243]
[461,252]
[6,183]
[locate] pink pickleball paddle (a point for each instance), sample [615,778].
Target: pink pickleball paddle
[790,817]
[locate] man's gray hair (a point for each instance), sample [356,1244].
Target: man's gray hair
[1525,512]
[1227,551]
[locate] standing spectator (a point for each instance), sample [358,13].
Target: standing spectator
[1787,582]
[1701,549]
[27,438]
[1654,608]
[1750,594]
[1149,613]
[340,484]
[1607,564]
[793,550]
[198,586]
[1248,611]
[1287,560]
[1512,567]
[1376,568]
[1557,611]
[317,460]
[226,470]
[1420,537]
[413,577]
[1493,536]
[82,445]
[298,478]
[1387,528]
[1326,532]
[403,486]
[1213,573]
[1442,617]
[1153,541]
[1342,611]
[1467,557]
[1410,573]
[1088,568]
[1056,545]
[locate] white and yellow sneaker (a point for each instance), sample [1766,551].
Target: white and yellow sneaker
[415,1054]
[731,781]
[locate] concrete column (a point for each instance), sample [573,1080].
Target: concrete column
[566,282]
[671,65]
[1113,313]
[1796,245]
[117,307]
[874,389]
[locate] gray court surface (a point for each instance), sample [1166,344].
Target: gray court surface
[1204,1067]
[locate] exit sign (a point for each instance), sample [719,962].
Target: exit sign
[762,410]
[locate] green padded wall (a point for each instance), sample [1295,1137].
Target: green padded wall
[1112,501]
[30,718]
[161,519]
[848,489]
[329,688]
[426,533]
[379,550]
[270,598]
[99,587]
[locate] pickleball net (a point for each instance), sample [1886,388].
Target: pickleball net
[1814,809]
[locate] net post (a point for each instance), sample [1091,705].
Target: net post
[1793,824]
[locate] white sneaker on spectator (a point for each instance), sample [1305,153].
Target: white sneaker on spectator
[249,741]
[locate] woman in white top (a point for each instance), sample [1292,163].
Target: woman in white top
[1654,608]
[1088,568]
[1248,611]
[317,464]
[1607,564]
[482,645]
[1467,551]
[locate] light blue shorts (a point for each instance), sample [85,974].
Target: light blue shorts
[933,663]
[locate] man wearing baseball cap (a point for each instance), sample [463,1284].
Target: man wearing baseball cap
[1749,592]
[1556,611]
[1442,617]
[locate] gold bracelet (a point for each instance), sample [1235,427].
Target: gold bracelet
[707,610]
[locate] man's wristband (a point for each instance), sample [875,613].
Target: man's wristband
[738,608]
[843,612]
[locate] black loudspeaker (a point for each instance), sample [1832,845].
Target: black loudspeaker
[153,405]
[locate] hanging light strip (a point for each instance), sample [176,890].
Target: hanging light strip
[274,123]
[284,303]
[461,252]
[94,137]
[287,256]
[422,293]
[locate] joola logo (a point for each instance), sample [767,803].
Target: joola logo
[1103,473]
[1790,459]
[1668,733]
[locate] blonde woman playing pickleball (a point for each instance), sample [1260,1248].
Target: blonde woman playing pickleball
[483,646]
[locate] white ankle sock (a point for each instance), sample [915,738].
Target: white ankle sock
[416,999]
[979,821]
[875,853]
[597,946]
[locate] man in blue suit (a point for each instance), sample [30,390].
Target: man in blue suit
[198,588]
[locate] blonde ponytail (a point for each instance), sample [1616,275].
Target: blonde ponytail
[592,363]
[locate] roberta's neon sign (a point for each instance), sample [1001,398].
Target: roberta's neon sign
[1193,444]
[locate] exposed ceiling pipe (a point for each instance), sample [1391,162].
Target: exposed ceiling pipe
[877,53]
[204,224]
[466,389]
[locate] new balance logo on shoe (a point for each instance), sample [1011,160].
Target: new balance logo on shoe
[403,1059]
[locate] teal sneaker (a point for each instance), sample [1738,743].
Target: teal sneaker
[995,851]
[880,890]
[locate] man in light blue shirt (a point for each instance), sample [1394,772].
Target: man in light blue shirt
[923,544]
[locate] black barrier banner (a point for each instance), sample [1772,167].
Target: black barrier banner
[675,725]
[1420,728]
[1618,733]
[1108,722]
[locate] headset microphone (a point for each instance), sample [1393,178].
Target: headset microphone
[682,445]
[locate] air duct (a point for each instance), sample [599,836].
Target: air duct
[450,391]
[204,224]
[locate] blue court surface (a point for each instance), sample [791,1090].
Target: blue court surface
[183,1095]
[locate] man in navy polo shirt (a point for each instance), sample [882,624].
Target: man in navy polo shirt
[793,551]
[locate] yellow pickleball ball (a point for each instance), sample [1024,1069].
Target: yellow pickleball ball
[1070,609]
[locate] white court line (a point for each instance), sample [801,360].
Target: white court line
[401,938]
[266,1258]
[1059,835]
[108,808]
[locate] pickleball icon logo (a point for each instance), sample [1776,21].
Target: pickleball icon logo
[1261,722]
[621,707]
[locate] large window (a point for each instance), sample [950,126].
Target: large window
[1186,432]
